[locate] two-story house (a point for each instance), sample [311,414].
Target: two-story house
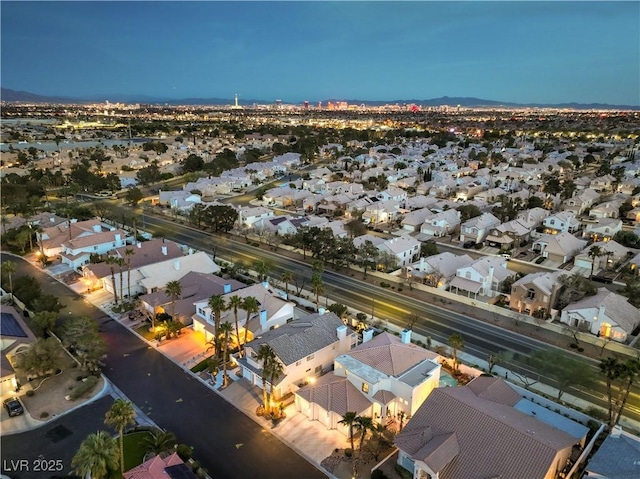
[508,235]
[77,252]
[482,277]
[383,377]
[486,429]
[441,224]
[558,247]
[477,228]
[535,292]
[305,347]
[606,314]
[273,312]
[404,248]
[438,270]
[611,253]
[249,215]
[561,222]
[602,230]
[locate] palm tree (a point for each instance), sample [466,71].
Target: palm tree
[225,331]
[217,305]
[594,252]
[251,306]
[378,430]
[128,253]
[275,371]
[318,286]
[173,289]
[612,369]
[262,268]
[111,262]
[120,262]
[9,267]
[365,424]
[456,342]
[350,419]
[266,355]
[235,303]
[97,455]
[157,442]
[286,278]
[120,415]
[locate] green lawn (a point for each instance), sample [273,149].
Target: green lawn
[143,330]
[133,452]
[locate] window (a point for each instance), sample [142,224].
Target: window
[467,275]
[531,294]
[309,358]
[318,369]
[365,388]
[298,363]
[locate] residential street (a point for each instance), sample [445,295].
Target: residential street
[225,441]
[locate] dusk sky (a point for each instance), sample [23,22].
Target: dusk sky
[525,52]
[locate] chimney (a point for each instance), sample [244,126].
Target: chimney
[321,311]
[367,335]
[164,250]
[405,336]
[97,228]
[601,310]
[139,245]
[421,263]
[616,430]
[190,251]
[342,332]
[176,265]
[227,288]
[263,319]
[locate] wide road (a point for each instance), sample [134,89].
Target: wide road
[480,337]
[225,440]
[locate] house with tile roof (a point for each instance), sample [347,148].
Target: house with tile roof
[305,347]
[603,229]
[51,238]
[161,467]
[384,377]
[533,216]
[605,314]
[617,458]
[413,220]
[76,252]
[483,277]
[154,277]
[477,228]
[135,256]
[535,292]
[609,209]
[404,248]
[15,337]
[509,235]
[438,270]
[561,222]
[250,215]
[580,203]
[273,312]
[612,253]
[441,224]
[560,247]
[486,430]
[195,287]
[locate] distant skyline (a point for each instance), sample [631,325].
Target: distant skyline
[521,52]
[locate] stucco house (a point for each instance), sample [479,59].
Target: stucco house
[441,224]
[603,229]
[477,228]
[561,222]
[383,377]
[535,292]
[612,252]
[482,277]
[486,429]
[606,314]
[559,247]
[438,270]
[15,337]
[509,235]
[305,347]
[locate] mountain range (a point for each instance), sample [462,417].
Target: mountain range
[9,95]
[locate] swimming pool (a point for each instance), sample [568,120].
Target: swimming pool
[446,380]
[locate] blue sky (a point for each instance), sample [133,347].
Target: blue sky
[545,52]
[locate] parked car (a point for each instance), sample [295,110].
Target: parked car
[468,244]
[602,279]
[13,406]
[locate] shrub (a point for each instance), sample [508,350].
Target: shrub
[30,392]
[44,414]
[580,350]
[84,387]
[404,474]
[573,345]
[378,474]
[348,452]
[184,451]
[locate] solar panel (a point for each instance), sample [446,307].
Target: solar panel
[180,471]
[9,326]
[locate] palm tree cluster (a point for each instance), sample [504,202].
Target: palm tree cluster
[620,376]
[362,425]
[272,369]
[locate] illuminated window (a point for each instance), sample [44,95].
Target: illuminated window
[309,358]
[365,387]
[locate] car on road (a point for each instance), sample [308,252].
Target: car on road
[13,406]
